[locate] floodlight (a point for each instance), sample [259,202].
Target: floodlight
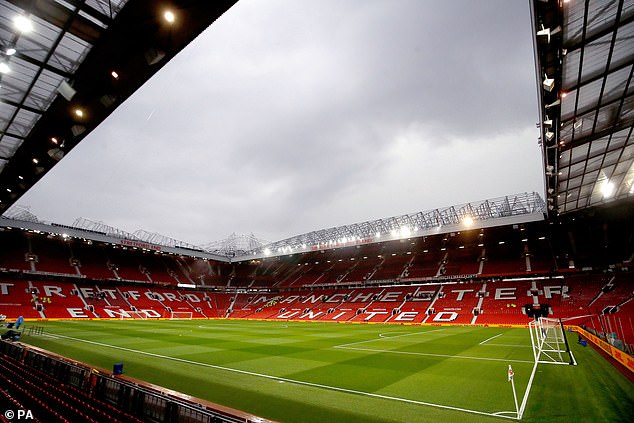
[549,83]
[169,16]
[467,221]
[23,24]
[607,189]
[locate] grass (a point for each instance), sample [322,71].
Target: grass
[315,372]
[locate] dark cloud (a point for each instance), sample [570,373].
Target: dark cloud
[291,116]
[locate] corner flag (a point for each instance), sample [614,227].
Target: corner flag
[510,373]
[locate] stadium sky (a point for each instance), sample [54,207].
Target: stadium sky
[288,116]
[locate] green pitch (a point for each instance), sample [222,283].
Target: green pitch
[316,372]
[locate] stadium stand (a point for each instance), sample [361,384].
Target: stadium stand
[573,261]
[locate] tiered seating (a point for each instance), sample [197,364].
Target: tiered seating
[17,300]
[425,264]
[383,303]
[53,255]
[57,297]
[13,250]
[391,267]
[457,303]
[93,261]
[362,270]
[127,265]
[504,257]
[66,400]
[159,271]
[508,309]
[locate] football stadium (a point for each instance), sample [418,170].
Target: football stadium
[519,307]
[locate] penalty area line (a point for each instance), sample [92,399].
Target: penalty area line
[283,379]
[461,357]
[381,338]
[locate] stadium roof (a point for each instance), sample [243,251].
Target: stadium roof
[508,210]
[65,65]
[585,61]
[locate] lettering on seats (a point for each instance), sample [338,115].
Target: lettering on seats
[87,292]
[154,296]
[505,294]
[391,296]
[446,316]
[311,315]
[406,316]
[56,290]
[312,299]
[170,296]
[288,314]
[134,295]
[77,312]
[461,293]
[290,299]
[371,314]
[4,288]
[336,298]
[363,298]
[550,290]
[192,298]
[338,315]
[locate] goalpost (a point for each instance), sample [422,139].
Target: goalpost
[550,346]
[181,315]
[549,343]
[133,314]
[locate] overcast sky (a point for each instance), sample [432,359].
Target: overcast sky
[288,116]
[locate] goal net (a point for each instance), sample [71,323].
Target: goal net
[548,339]
[133,314]
[181,315]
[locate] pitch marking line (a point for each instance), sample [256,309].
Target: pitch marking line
[487,340]
[283,379]
[461,357]
[501,345]
[385,337]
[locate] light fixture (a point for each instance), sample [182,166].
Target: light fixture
[548,121]
[607,189]
[4,68]
[467,221]
[114,74]
[54,140]
[79,112]
[549,83]
[66,90]
[169,16]
[10,51]
[550,135]
[548,32]
[36,161]
[23,24]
